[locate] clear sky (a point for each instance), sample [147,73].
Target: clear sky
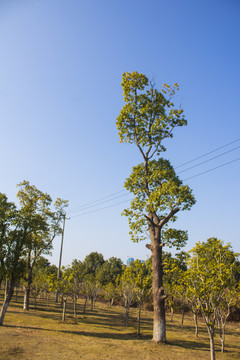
[60,73]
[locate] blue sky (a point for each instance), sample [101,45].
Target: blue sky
[60,73]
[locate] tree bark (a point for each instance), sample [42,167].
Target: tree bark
[27,290]
[196,324]
[183,313]
[126,313]
[211,337]
[74,306]
[85,305]
[7,301]
[64,310]
[139,318]
[159,317]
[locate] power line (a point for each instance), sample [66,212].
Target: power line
[106,207]
[204,172]
[203,162]
[208,153]
[93,202]
[99,201]
[217,167]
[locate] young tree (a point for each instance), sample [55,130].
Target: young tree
[42,225]
[13,237]
[147,118]
[141,274]
[126,290]
[211,276]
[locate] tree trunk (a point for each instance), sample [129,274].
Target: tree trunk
[182,317]
[27,290]
[196,324]
[211,337]
[26,298]
[6,288]
[172,311]
[74,306]
[7,301]
[139,318]
[64,310]
[159,317]
[16,293]
[126,313]
[221,327]
[85,305]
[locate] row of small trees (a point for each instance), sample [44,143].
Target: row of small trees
[26,233]
[205,281]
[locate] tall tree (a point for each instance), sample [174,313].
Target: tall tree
[147,118]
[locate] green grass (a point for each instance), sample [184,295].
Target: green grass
[101,335]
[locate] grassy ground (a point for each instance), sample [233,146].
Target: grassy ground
[101,335]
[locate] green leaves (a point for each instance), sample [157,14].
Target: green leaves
[147,117]
[157,191]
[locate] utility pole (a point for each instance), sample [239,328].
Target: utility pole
[60,256]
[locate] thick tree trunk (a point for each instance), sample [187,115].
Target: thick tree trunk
[159,317]
[7,301]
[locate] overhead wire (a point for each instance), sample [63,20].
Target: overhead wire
[99,201]
[96,203]
[205,161]
[208,153]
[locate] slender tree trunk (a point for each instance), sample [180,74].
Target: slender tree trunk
[196,324]
[85,305]
[27,290]
[211,338]
[221,328]
[16,293]
[159,317]
[139,318]
[172,311]
[74,306]
[91,303]
[183,313]
[26,298]
[6,288]
[126,313]
[7,301]
[64,310]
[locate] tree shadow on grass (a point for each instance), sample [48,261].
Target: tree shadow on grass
[100,335]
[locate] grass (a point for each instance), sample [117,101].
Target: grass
[101,335]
